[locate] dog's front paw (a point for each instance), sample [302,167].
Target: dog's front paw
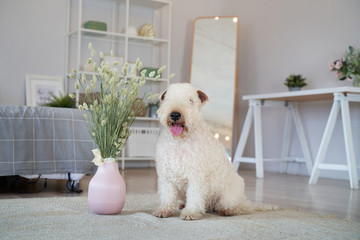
[187,214]
[163,212]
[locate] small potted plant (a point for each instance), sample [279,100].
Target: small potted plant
[295,82]
[60,101]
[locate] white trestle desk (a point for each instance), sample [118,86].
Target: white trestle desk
[341,96]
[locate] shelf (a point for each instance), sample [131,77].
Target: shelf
[147,40]
[102,35]
[116,37]
[155,4]
[119,16]
[98,74]
[146,119]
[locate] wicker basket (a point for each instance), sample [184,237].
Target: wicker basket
[141,142]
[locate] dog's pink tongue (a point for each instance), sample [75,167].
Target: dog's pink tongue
[176,129]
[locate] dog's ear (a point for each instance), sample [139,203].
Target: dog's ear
[203,97]
[162,96]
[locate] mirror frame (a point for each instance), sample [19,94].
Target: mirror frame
[235,122]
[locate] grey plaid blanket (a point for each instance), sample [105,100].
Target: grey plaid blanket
[44,140]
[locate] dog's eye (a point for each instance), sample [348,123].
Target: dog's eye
[191,101]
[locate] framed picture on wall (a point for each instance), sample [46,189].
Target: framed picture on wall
[40,88]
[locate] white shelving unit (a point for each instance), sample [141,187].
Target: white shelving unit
[120,16]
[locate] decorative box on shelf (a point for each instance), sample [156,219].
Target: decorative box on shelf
[141,142]
[94,25]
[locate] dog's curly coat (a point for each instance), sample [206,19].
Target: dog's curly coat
[191,164]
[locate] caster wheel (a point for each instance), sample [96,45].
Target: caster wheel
[72,185]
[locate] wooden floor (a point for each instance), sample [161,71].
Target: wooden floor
[328,197]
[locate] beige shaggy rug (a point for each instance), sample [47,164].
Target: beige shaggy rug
[71,218]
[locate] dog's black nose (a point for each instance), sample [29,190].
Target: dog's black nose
[175,116]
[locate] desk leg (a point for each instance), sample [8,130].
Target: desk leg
[325,142]
[243,138]
[258,140]
[349,145]
[302,138]
[286,140]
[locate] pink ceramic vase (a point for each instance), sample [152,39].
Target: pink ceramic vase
[107,190]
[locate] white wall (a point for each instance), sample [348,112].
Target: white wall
[32,41]
[276,38]
[280,37]
[34,32]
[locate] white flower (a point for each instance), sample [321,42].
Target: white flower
[98,160]
[81,108]
[86,116]
[77,86]
[85,106]
[124,91]
[124,69]
[103,122]
[133,70]
[88,90]
[171,75]
[143,72]
[95,66]
[71,76]
[89,61]
[152,96]
[161,69]
[71,95]
[152,74]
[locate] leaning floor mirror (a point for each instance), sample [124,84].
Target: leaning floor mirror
[213,70]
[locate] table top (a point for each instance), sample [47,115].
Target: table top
[303,95]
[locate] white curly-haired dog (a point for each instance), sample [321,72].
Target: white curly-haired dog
[191,164]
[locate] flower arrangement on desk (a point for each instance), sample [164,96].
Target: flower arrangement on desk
[348,67]
[111,117]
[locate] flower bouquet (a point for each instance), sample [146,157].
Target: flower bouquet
[110,114]
[348,67]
